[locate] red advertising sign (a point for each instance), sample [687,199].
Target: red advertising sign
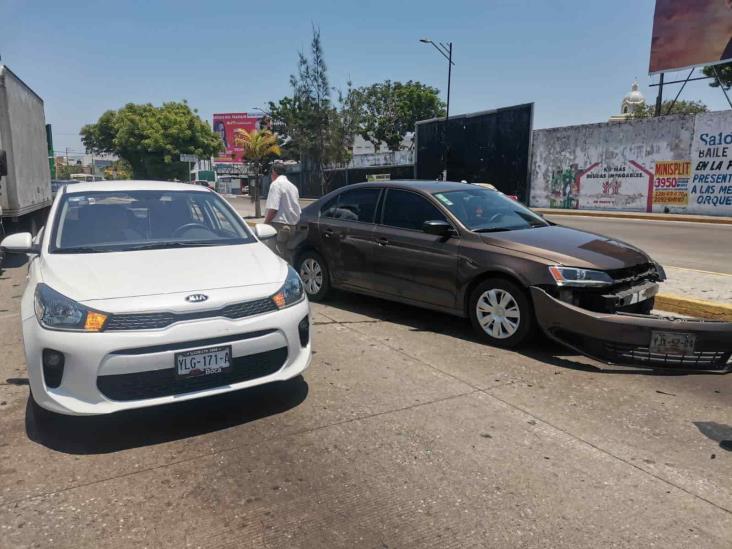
[688,33]
[225,125]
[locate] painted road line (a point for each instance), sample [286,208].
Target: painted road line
[639,219]
[696,270]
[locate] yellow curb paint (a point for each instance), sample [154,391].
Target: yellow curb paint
[693,307]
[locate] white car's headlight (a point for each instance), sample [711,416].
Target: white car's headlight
[291,292]
[572,276]
[57,312]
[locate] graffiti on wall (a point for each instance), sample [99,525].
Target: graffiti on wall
[601,186]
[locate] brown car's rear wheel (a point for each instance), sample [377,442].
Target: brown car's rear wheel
[501,313]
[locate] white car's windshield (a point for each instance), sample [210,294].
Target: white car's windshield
[483,210]
[136,220]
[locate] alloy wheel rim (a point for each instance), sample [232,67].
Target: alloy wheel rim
[498,313]
[312,276]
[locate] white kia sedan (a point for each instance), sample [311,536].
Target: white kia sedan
[143,293]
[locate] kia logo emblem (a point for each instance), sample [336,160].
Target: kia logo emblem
[196,298]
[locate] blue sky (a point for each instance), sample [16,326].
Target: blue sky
[574,58]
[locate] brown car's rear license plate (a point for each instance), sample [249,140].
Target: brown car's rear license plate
[672,343]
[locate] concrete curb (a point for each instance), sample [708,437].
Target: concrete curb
[693,307]
[637,215]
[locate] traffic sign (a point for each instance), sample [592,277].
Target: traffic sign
[188,158]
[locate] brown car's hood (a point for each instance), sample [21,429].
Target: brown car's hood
[570,247]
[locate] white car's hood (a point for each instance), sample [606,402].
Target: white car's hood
[100,276]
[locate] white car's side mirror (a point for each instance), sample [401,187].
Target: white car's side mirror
[19,243]
[264,231]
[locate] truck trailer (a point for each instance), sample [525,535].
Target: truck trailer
[25,191]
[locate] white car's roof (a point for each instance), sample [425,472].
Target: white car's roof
[133,185]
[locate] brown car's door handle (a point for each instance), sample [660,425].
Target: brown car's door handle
[382,241]
[328,233]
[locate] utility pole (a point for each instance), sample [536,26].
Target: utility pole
[446,51]
[659,98]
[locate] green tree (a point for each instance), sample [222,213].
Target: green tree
[152,138]
[318,130]
[119,169]
[389,110]
[725,75]
[258,147]
[64,171]
[679,107]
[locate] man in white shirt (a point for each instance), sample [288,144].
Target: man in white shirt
[283,208]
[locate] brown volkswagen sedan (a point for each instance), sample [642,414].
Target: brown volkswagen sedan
[473,252]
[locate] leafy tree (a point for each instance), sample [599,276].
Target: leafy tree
[680,107]
[258,147]
[389,110]
[64,171]
[152,138]
[318,130]
[725,75]
[119,169]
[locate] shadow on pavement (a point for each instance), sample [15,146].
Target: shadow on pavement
[13,261]
[149,426]
[718,432]
[540,348]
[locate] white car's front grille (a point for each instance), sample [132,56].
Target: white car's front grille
[153,321]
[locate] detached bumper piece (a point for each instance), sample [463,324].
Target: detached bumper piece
[625,338]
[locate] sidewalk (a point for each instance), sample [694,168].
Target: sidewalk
[637,215]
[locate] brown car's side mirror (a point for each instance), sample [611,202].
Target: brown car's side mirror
[3,163]
[438,227]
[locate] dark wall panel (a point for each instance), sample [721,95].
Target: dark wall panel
[487,147]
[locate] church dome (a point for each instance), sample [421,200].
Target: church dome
[634,96]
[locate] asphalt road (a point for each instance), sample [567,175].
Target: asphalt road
[702,246]
[405,432]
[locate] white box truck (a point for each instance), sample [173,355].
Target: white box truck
[25,191]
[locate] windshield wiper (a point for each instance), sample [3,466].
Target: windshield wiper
[83,250]
[164,245]
[491,230]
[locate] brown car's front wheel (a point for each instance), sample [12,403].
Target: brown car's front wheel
[314,274]
[501,312]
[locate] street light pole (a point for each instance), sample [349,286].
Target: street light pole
[446,51]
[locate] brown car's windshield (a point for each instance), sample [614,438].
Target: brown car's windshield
[484,210]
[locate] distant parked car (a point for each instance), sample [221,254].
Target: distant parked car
[148,293]
[473,252]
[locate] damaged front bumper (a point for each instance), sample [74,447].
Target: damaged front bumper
[636,339]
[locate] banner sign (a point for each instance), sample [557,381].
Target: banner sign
[671,184]
[689,33]
[711,157]
[226,125]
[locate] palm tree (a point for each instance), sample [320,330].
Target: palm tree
[257,145]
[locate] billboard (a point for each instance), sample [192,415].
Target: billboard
[225,125]
[687,33]
[484,147]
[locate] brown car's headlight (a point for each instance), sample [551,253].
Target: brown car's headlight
[584,278]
